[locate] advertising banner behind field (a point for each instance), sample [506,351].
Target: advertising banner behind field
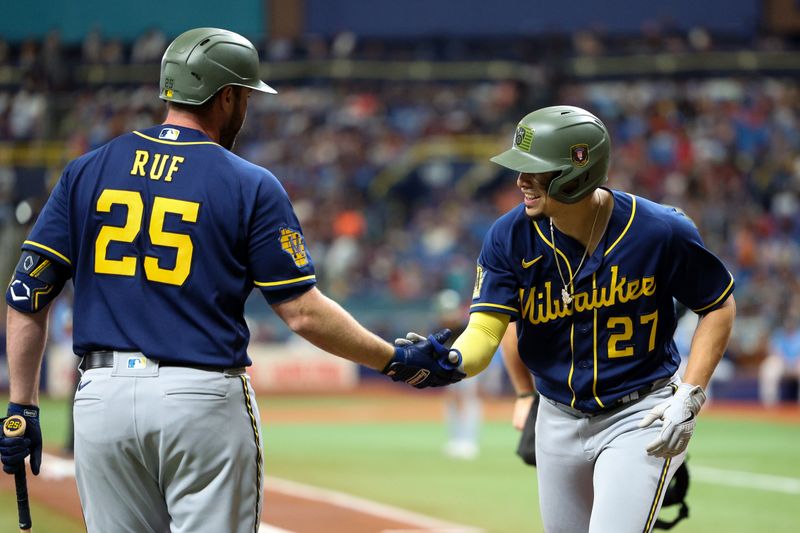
[298,366]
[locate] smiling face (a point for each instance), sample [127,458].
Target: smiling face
[534,189]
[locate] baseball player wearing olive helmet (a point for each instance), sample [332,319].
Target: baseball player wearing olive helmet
[589,275]
[165,233]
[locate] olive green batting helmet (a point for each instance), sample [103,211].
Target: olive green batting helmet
[566,139]
[200,62]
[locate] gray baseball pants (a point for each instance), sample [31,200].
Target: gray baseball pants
[167,449]
[594,472]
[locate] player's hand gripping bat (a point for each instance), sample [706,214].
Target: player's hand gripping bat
[14,426]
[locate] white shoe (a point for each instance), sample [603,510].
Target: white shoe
[467,451]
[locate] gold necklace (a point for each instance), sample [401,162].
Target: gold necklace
[566,296]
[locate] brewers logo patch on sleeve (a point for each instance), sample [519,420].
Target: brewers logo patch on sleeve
[292,243]
[476,292]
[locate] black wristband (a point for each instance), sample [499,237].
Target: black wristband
[526,395]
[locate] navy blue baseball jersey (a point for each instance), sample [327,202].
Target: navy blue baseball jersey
[166,233]
[616,336]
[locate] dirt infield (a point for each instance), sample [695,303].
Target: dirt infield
[283,512]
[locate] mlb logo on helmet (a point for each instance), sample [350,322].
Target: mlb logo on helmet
[579,153]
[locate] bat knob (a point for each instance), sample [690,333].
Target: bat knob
[14,426]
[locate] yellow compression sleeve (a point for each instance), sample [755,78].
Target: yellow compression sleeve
[480,340]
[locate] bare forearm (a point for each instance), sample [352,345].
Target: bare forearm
[27,334]
[328,326]
[518,373]
[709,343]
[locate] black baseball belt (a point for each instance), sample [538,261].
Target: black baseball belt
[105,359]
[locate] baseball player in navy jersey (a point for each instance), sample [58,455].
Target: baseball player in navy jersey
[589,275]
[165,232]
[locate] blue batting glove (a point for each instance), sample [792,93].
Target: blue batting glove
[448,358]
[425,362]
[13,450]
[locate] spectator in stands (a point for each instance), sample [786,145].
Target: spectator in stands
[149,47]
[724,149]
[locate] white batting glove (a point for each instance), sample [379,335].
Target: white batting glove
[678,420]
[410,339]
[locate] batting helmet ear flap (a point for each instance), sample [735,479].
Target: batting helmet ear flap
[676,495]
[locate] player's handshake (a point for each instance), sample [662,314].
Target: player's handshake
[425,362]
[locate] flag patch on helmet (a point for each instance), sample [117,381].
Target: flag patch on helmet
[523,138]
[579,153]
[292,243]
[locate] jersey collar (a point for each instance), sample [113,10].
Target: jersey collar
[171,134]
[619,224]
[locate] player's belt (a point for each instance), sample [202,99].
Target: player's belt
[618,403]
[647,389]
[105,359]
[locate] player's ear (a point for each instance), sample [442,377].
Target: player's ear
[225,97]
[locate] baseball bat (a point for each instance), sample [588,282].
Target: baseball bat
[14,426]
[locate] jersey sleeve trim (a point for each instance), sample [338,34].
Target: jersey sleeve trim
[724,294]
[50,250]
[174,143]
[627,226]
[284,282]
[496,306]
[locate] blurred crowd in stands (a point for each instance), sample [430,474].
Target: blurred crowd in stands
[387,221]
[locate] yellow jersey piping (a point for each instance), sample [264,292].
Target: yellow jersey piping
[48,249]
[174,143]
[551,245]
[572,363]
[495,305]
[284,282]
[721,296]
[627,226]
[594,344]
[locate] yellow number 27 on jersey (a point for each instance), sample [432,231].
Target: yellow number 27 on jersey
[126,266]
